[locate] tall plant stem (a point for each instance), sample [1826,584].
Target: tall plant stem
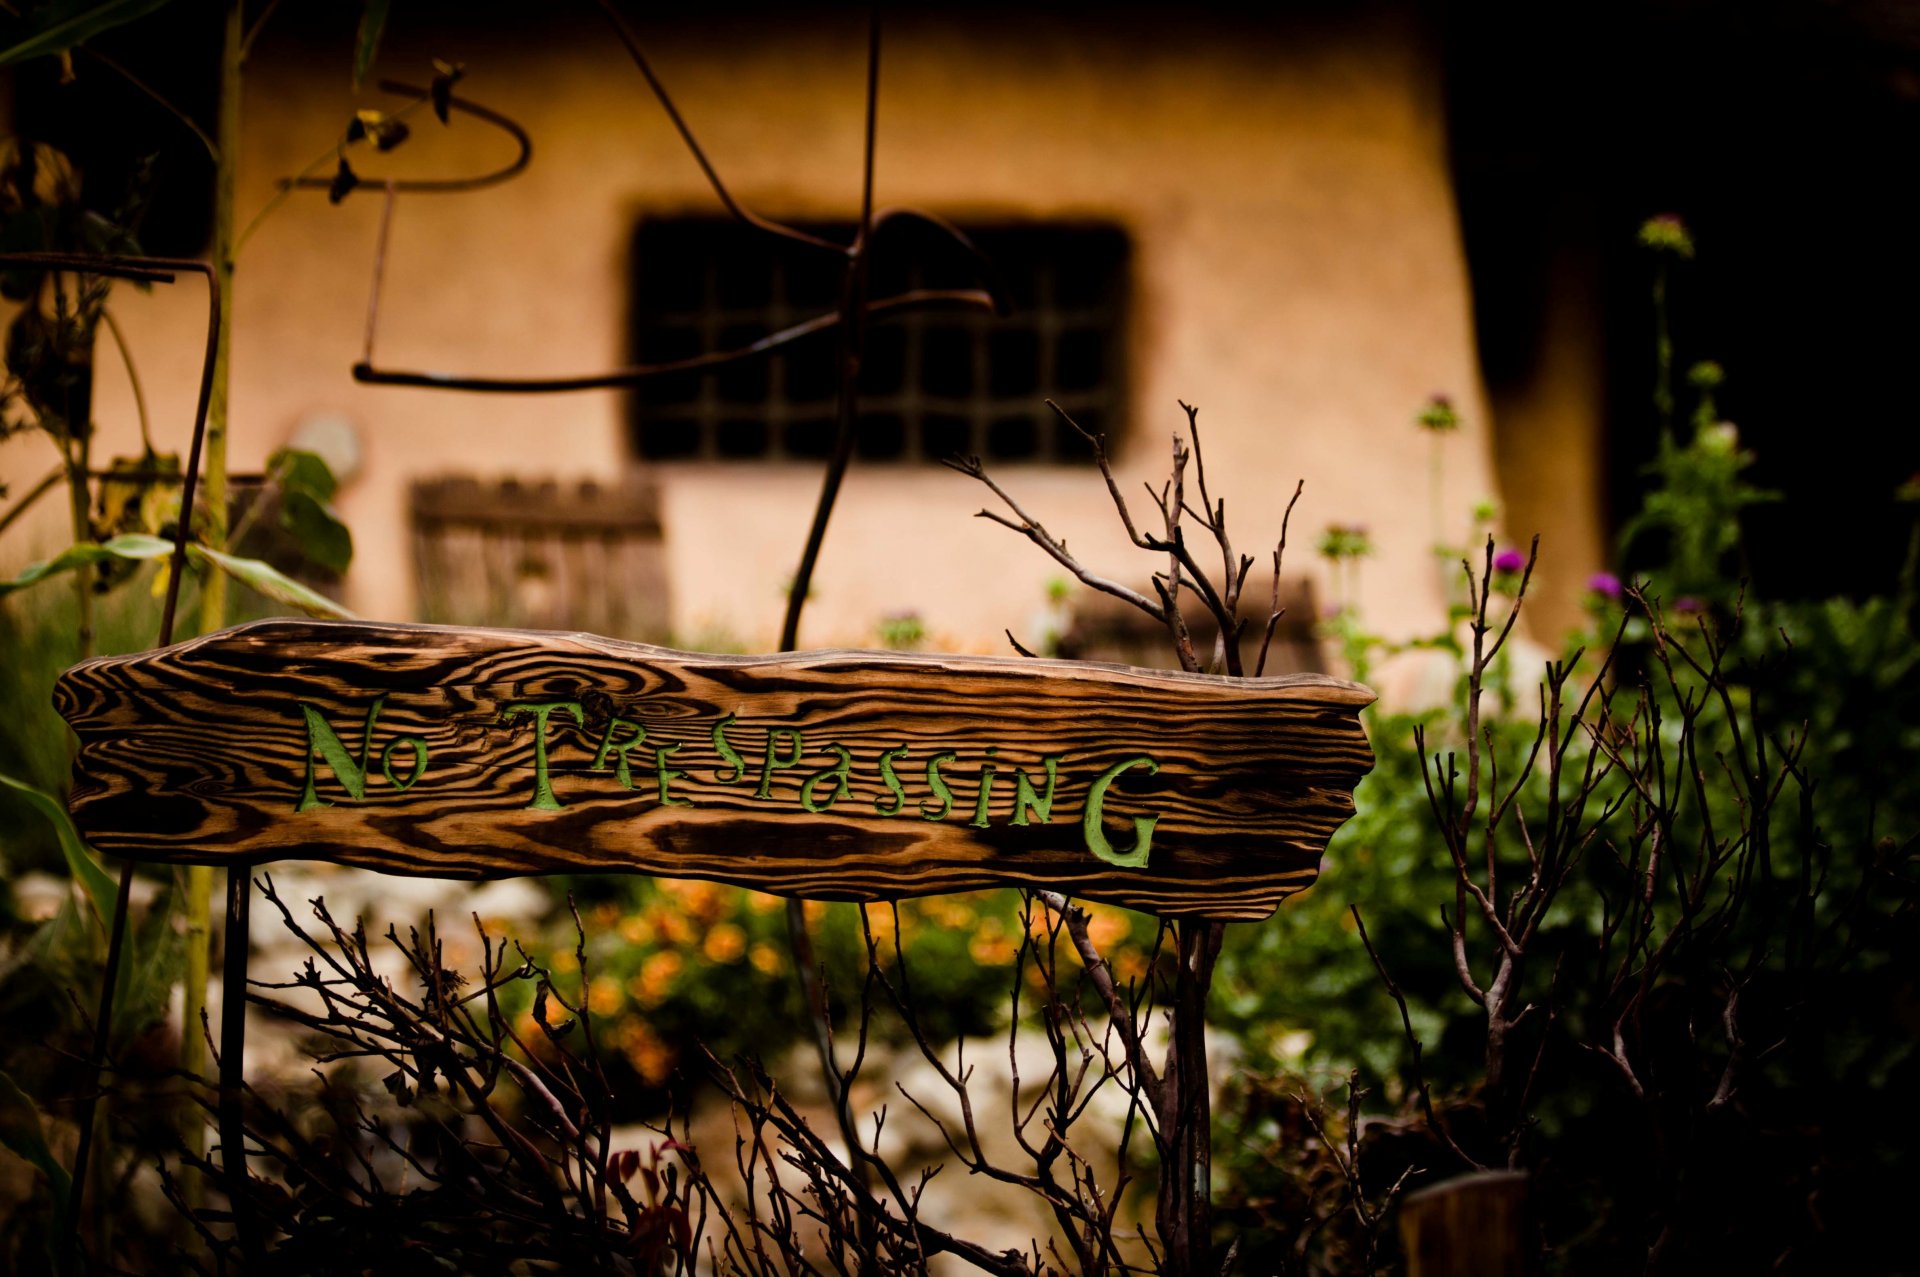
[80,498]
[213,593]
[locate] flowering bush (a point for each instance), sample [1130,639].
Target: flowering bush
[679,967]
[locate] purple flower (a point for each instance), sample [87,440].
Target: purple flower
[1438,416]
[1687,603]
[1509,561]
[1604,583]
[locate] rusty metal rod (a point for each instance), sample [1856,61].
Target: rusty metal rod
[159,270]
[919,299]
[441,185]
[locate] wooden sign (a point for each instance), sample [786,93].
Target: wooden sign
[838,775]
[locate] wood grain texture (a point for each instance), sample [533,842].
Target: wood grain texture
[204,752]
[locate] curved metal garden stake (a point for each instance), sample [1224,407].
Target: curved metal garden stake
[150,270]
[367,372]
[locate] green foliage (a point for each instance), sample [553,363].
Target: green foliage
[133,547]
[306,486]
[59,25]
[902,631]
[270,583]
[366,41]
[1694,509]
[1801,755]
[86,871]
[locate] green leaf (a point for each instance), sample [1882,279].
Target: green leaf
[322,537]
[99,885]
[271,583]
[307,485]
[22,1133]
[373,24]
[62,29]
[297,470]
[133,546]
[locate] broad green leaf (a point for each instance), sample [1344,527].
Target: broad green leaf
[307,486]
[312,523]
[373,24]
[63,29]
[272,583]
[131,546]
[99,885]
[297,470]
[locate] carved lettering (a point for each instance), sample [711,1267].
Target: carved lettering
[770,761]
[891,780]
[1096,837]
[1025,800]
[938,784]
[350,773]
[666,775]
[622,772]
[837,774]
[543,796]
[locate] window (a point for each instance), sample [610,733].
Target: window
[933,383]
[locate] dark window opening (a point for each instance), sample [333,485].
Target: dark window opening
[932,384]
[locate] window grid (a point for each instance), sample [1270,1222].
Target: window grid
[933,383]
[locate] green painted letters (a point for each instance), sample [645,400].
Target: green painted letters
[938,785]
[836,773]
[352,774]
[543,799]
[892,781]
[768,762]
[725,749]
[621,771]
[1096,837]
[1024,797]
[986,793]
[419,750]
[666,775]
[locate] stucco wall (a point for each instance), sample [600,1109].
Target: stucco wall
[1299,276]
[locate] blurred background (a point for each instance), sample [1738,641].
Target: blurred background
[1637,278]
[1308,224]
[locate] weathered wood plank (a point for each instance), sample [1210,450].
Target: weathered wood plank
[842,775]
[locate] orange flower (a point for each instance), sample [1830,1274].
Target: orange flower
[725,943]
[991,946]
[1129,966]
[766,959]
[603,995]
[651,1058]
[1107,926]
[651,984]
[670,925]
